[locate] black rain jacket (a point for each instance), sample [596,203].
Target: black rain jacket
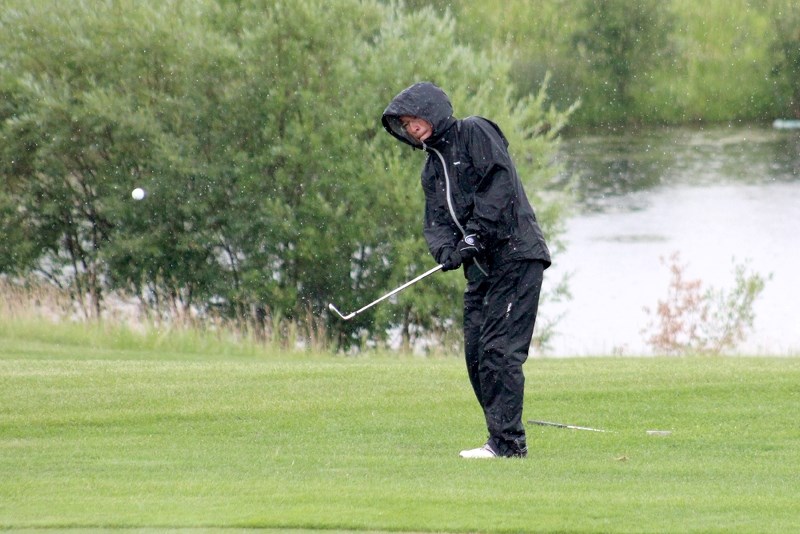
[470,182]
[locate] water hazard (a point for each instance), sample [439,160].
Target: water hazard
[716,195]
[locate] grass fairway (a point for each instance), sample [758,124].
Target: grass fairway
[132,440]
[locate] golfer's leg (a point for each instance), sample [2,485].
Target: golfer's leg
[511,306]
[473,320]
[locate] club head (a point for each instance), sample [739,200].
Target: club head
[344,317]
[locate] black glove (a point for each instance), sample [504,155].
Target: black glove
[469,247]
[452,261]
[466,249]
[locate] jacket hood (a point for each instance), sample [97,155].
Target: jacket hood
[423,100]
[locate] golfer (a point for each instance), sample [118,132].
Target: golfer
[478,217]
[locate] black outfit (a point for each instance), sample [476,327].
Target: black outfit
[473,194]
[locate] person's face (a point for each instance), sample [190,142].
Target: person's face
[419,129]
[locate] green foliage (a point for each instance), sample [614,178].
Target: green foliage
[92,122]
[785,19]
[722,66]
[254,128]
[644,61]
[620,43]
[732,313]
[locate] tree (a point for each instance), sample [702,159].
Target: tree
[97,108]
[785,16]
[254,127]
[618,43]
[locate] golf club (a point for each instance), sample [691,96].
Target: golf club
[562,425]
[386,296]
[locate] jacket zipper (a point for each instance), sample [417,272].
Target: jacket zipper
[448,194]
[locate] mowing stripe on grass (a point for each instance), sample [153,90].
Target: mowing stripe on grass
[372,444]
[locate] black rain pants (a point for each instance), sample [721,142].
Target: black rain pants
[499,315]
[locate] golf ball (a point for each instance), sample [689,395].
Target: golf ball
[138,193]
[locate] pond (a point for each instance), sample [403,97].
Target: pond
[717,196]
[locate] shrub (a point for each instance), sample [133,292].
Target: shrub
[691,320]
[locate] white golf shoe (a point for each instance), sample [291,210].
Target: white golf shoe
[481,452]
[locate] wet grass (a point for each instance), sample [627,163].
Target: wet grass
[149,440]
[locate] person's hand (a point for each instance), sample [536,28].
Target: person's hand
[469,247]
[452,261]
[466,249]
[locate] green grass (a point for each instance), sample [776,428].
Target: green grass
[37,337]
[106,439]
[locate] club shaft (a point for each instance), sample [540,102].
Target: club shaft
[399,289]
[562,425]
